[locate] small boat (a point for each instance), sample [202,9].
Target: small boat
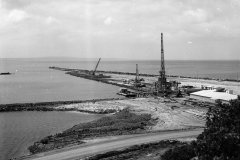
[5,73]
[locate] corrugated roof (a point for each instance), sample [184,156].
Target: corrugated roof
[212,94]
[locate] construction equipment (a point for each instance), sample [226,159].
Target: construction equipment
[96,67]
[161,85]
[137,74]
[162,71]
[138,82]
[125,92]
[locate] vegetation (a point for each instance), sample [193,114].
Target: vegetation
[219,141]
[184,152]
[221,138]
[123,122]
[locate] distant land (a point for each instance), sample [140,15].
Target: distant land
[55,58]
[69,59]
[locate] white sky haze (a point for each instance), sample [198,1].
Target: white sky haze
[129,29]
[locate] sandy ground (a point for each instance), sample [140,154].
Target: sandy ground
[168,117]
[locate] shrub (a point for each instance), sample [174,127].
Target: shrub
[221,138]
[185,152]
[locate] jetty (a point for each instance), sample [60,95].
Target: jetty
[101,77]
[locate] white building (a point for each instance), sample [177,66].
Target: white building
[212,96]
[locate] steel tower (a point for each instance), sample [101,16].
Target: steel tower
[162,78]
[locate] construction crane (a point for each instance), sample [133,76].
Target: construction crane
[137,74]
[96,67]
[163,87]
[138,81]
[161,83]
[162,71]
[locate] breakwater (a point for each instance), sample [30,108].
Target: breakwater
[141,74]
[52,106]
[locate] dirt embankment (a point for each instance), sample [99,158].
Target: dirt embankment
[169,114]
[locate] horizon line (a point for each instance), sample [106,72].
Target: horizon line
[128,59]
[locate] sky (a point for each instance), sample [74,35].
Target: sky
[126,29]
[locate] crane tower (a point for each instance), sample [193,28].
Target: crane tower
[137,74]
[161,87]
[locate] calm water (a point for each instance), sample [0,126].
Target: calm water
[18,130]
[33,81]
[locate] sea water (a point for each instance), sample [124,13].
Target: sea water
[19,130]
[33,81]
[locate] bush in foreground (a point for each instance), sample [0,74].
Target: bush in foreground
[221,138]
[184,152]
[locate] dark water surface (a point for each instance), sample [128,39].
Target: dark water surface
[33,81]
[18,130]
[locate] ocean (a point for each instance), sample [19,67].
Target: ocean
[32,81]
[19,130]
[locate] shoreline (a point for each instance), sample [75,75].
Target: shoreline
[122,123]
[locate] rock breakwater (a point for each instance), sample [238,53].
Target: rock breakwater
[53,106]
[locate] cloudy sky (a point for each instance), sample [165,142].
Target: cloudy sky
[129,29]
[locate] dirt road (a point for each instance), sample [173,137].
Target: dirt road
[113,144]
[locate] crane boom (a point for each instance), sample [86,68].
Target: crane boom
[96,66]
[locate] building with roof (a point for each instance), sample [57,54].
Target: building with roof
[213,95]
